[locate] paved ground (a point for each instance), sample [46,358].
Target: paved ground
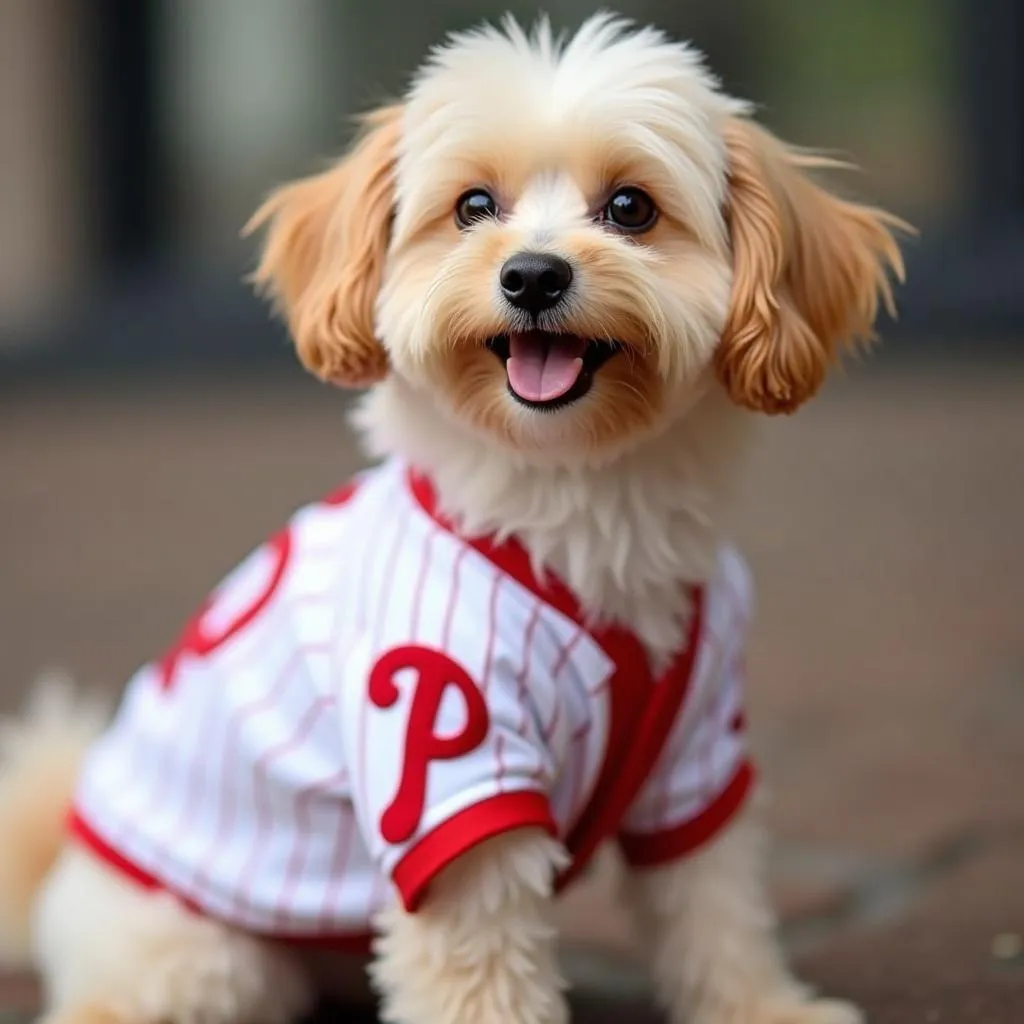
[888,663]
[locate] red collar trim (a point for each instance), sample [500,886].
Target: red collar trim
[510,555]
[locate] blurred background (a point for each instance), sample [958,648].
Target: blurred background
[139,134]
[154,425]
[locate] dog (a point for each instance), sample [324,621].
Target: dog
[571,276]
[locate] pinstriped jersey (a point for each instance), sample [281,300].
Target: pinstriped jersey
[370,694]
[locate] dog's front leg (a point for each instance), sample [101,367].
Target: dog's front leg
[483,947]
[715,956]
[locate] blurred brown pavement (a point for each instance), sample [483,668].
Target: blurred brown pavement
[885,525]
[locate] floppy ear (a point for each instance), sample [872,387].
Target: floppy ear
[324,254]
[809,270]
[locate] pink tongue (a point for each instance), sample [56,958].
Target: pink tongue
[542,367]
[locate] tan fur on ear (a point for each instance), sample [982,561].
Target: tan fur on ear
[809,270]
[324,255]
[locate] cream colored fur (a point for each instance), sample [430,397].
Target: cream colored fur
[39,756]
[101,942]
[711,939]
[485,949]
[738,300]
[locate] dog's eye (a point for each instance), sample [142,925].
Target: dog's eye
[630,209]
[477,204]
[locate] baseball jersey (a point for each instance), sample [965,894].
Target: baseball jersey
[369,694]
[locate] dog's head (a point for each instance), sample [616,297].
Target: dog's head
[568,243]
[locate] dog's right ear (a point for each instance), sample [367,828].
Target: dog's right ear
[324,254]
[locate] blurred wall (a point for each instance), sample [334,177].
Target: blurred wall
[174,135]
[248,90]
[44,190]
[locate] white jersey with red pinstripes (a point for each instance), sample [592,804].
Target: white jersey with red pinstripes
[369,694]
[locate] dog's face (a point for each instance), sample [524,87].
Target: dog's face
[567,245]
[559,269]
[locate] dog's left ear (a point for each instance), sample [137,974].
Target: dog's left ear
[809,270]
[324,255]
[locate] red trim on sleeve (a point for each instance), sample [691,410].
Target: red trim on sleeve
[644,850]
[472,825]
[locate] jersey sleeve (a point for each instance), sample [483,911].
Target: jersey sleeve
[442,743]
[704,774]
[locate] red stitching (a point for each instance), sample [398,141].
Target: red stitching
[303,836]
[261,771]
[452,597]
[421,579]
[227,795]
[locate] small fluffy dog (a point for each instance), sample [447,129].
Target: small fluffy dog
[569,273]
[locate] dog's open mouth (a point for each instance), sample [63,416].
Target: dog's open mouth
[547,370]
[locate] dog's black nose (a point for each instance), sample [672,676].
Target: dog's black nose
[534,281]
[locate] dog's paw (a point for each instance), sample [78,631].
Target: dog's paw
[798,1011]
